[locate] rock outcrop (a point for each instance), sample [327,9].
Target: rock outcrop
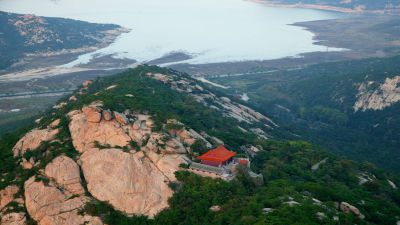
[33,139]
[85,133]
[347,208]
[13,219]
[55,123]
[65,173]
[7,195]
[86,83]
[392,184]
[225,105]
[168,164]
[72,98]
[372,95]
[215,208]
[49,205]
[27,165]
[107,115]
[60,105]
[121,118]
[92,113]
[129,182]
[133,178]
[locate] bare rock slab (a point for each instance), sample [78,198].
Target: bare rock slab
[48,205]
[7,195]
[66,173]
[129,182]
[33,139]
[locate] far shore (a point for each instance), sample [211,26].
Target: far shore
[320,7]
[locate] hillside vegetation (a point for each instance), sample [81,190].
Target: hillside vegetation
[302,183]
[350,107]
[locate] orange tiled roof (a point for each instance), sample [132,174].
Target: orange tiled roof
[243,162]
[220,154]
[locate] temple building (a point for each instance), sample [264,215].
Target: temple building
[217,157]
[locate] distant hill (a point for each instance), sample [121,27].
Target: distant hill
[21,35]
[117,151]
[392,6]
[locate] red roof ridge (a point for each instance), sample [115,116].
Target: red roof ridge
[219,154]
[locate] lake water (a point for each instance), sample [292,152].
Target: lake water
[208,30]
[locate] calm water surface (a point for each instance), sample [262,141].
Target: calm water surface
[208,30]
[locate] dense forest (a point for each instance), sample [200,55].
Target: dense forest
[294,190]
[317,103]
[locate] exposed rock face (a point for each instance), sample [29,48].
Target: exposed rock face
[292,203]
[72,98]
[92,113]
[376,96]
[111,87]
[347,208]
[13,219]
[365,177]
[60,105]
[86,83]
[33,139]
[223,104]
[48,205]
[321,215]
[107,115]
[392,184]
[84,133]
[7,195]
[185,136]
[129,182]
[318,164]
[134,182]
[174,146]
[267,210]
[121,118]
[55,123]
[215,208]
[65,172]
[167,164]
[26,165]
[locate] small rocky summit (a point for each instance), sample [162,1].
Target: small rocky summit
[133,181]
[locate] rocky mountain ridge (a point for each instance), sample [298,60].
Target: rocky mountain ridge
[122,160]
[115,152]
